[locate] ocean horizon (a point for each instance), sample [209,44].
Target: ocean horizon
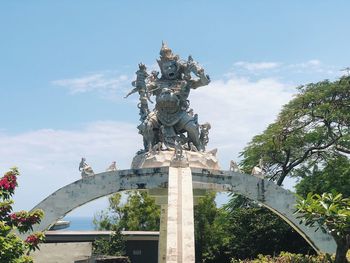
[79,223]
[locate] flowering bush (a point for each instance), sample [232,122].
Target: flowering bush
[12,248]
[8,183]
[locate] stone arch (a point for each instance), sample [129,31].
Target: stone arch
[275,198]
[87,189]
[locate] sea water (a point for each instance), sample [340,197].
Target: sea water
[79,223]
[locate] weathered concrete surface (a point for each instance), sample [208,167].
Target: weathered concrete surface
[162,244]
[80,192]
[277,199]
[180,222]
[62,252]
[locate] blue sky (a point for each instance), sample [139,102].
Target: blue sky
[65,66]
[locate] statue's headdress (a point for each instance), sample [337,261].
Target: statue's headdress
[166,54]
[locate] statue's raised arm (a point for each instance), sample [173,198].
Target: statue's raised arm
[198,71]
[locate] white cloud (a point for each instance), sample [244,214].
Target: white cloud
[310,64]
[299,73]
[238,109]
[255,66]
[106,83]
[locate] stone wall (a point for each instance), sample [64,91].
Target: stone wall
[62,252]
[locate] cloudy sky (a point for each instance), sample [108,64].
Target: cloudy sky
[66,65]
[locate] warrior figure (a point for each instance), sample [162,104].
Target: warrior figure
[140,87]
[171,117]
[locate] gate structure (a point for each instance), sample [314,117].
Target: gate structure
[174,165]
[156,180]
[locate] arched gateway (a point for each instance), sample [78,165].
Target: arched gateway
[277,199]
[174,165]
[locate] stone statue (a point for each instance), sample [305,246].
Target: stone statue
[259,169]
[171,118]
[234,167]
[85,169]
[204,135]
[112,167]
[141,88]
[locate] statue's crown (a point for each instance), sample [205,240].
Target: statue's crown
[166,53]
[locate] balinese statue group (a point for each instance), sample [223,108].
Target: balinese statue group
[172,123]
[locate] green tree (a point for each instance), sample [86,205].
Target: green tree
[309,130]
[333,177]
[210,231]
[241,229]
[113,246]
[12,248]
[331,213]
[139,212]
[256,230]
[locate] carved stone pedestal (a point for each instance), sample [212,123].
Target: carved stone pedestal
[176,233]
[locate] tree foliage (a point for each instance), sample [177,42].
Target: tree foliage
[12,248]
[211,238]
[113,246]
[309,129]
[139,212]
[331,213]
[256,230]
[241,229]
[334,176]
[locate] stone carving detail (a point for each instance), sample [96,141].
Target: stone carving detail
[171,122]
[112,167]
[85,169]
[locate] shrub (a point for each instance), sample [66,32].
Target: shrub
[12,248]
[285,257]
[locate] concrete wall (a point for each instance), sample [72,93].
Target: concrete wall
[62,252]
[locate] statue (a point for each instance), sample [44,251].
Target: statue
[258,170]
[112,167]
[234,167]
[141,88]
[171,118]
[85,169]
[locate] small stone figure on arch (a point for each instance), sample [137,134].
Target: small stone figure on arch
[112,167]
[234,167]
[258,170]
[85,169]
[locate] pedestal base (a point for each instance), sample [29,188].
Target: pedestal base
[206,160]
[180,222]
[176,233]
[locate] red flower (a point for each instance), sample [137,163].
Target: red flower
[8,182]
[4,183]
[32,240]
